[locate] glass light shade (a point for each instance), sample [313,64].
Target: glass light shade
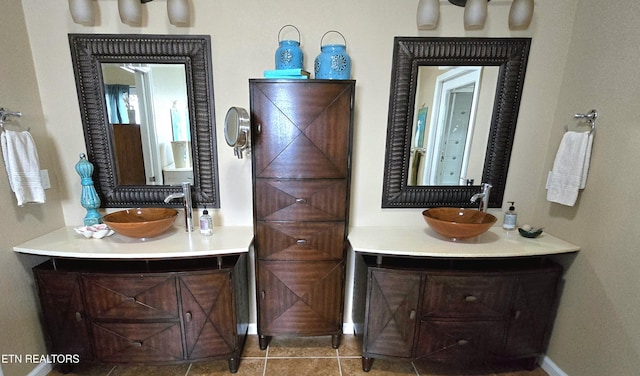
[475,14]
[82,12]
[130,12]
[428,14]
[520,14]
[178,11]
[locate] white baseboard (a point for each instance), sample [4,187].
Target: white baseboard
[42,369]
[347,328]
[551,368]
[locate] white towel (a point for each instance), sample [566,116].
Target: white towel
[570,168]
[23,168]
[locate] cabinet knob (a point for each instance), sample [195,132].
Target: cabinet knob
[187,316]
[136,344]
[78,316]
[462,342]
[412,315]
[263,294]
[258,128]
[301,241]
[516,314]
[301,200]
[470,298]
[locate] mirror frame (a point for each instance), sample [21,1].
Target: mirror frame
[511,55]
[88,51]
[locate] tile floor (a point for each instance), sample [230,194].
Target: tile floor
[306,356]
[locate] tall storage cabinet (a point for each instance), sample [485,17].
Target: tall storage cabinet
[301,140]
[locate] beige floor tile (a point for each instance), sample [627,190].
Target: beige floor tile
[252,348]
[452,369]
[349,346]
[149,370]
[381,367]
[85,369]
[301,347]
[248,367]
[303,366]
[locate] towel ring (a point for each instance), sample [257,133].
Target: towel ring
[4,114]
[591,117]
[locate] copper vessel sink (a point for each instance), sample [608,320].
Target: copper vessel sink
[457,223]
[141,222]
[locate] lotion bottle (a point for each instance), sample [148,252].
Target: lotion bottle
[510,217]
[206,223]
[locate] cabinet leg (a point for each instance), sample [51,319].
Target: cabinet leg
[263,341]
[530,363]
[65,368]
[335,340]
[367,363]
[234,363]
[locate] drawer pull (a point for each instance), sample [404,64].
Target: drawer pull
[263,294]
[78,316]
[301,241]
[301,200]
[187,316]
[136,344]
[470,298]
[516,314]
[462,342]
[412,315]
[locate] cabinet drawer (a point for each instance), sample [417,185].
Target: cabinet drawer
[464,340]
[476,296]
[308,200]
[131,297]
[137,342]
[300,240]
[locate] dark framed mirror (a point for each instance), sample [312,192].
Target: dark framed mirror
[147,109]
[509,56]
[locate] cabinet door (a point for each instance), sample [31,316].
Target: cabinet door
[64,313]
[302,241]
[301,129]
[393,297]
[532,313]
[303,298]
[133,297]
[294,200]
[208,314]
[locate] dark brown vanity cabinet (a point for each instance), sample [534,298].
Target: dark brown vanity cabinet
[301,147]
[146,312]
[494,310]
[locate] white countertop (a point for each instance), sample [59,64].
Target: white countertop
[423,241]
[65,242]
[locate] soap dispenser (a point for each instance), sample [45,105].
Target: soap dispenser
[206,223]
[510,217]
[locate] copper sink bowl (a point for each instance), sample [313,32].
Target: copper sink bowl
[141,222]
[458,223]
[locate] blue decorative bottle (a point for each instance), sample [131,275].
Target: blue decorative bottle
[289,55]
[333,63]
[89,197]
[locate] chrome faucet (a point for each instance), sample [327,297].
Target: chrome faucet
[483,196]
[188,205]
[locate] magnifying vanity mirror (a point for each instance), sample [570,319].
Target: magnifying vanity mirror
[146,103]
[452,117]
[237,130]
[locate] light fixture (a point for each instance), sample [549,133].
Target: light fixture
[428,14]
[475,14]
[178,11]
[130,12]
[82,12]
[520,14]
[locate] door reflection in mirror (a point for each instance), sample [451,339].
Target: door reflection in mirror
[149,121]
[451,124]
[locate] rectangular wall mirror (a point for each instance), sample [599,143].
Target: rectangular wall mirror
[147,110]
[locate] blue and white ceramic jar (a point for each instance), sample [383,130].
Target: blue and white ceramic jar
[333,63]
[289,55]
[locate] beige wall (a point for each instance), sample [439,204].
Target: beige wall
[19,322]
[597,331]
[594,334]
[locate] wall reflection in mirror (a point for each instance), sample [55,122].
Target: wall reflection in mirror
[148,117]
[452,118]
